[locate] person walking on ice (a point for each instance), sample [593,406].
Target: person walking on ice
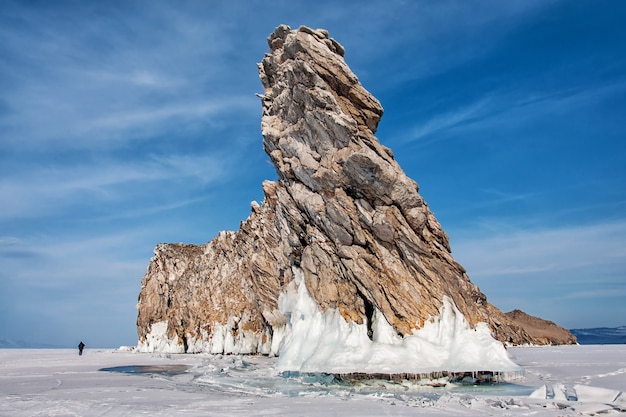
[81,346]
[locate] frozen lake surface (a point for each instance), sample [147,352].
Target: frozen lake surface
[558,381]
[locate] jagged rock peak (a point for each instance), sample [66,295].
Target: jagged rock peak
[343,220]
[318,62]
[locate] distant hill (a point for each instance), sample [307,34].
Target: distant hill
[20,344]
[600,335]
[544,332]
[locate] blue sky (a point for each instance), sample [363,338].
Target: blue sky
[128,123]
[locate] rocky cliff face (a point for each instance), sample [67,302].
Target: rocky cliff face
[342,214]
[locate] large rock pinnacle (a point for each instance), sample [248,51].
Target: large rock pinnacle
[343,213]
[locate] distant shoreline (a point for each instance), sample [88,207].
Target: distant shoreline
[587,336]
[21,344]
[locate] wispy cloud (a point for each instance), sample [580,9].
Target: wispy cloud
[594,294]
[501,256]
[144,122]
[108,87]
[509,108]
[147,210]
[499,196]
[59,287]
[110,113]
[573,275]
[516,109]
[47,190]
[143,77]
[442,35]
[449,120]
[56,261]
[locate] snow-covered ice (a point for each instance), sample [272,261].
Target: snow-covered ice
[558,381]
[318,341]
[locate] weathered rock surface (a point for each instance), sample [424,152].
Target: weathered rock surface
[543,332]
[342,211]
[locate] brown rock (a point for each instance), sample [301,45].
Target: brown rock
[543,332]
[342,211]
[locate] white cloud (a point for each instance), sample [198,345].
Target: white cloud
[573,275]
[119,81]
[448,120]
[597,293]
[205,169]
[496,109]
[149,78]
[548,251]
[42,191]
[145,121]
[79,260]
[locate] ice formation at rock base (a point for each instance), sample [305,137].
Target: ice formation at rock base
[325,342]
[316,341]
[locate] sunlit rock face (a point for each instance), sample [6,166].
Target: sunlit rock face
[342,214]
[543,332]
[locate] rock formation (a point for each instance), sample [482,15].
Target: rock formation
[543,332]
[342,214]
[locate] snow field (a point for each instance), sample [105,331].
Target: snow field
[60,383]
